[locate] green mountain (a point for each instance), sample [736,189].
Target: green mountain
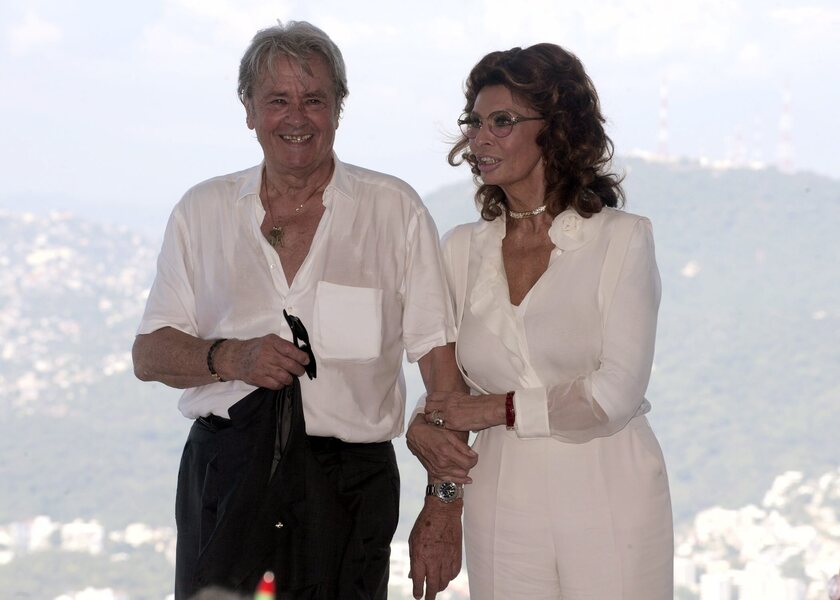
[746,381]
[745,385]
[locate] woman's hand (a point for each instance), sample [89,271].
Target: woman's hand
[463,412]
[445,455]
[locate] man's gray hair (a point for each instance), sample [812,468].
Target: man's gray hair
[297,40]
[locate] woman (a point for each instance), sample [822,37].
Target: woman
[557,294]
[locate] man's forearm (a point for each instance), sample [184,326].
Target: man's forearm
[172,357]
[440,374]
[440,371]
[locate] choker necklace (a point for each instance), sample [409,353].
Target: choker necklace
[528,213]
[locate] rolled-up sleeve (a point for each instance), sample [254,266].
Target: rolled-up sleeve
[171,301]
[428,320]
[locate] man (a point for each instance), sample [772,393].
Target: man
[353,255]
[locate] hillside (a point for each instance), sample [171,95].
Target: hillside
[745,383]
[80,436]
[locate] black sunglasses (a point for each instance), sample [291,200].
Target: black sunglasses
[301,339]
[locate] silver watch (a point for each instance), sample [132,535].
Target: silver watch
[446,491]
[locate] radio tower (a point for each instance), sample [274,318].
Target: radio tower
[662,147]
[786,132]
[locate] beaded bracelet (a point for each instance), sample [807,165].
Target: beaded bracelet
[510,412]
[210,352]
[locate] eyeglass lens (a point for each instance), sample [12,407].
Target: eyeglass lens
[500,124]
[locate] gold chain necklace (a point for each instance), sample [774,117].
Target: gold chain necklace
[275,236]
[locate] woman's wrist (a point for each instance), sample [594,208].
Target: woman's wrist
[498,410]
[418,420]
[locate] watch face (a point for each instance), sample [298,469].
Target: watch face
[447,491]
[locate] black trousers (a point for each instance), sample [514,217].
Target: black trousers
[215,461]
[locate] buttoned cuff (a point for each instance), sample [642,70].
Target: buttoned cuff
[531,407]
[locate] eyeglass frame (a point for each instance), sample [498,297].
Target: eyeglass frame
[300,337]
[514,120]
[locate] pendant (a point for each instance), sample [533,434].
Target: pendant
[275,236]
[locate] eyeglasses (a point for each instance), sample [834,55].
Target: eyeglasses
[500,122]
[300,337]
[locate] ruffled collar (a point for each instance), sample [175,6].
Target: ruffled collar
[570,231]
[490,296]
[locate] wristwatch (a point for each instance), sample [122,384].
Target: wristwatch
[446,491]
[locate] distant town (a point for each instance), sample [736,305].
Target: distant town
[784,548]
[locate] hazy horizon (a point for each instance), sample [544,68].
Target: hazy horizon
[124,106]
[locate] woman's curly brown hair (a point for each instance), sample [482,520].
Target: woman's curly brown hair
[576,150]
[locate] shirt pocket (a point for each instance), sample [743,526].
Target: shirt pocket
[348,322]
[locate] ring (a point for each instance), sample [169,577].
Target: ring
[437,419]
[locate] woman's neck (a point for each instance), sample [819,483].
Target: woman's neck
[525,196]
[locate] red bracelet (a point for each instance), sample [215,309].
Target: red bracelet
[510,412]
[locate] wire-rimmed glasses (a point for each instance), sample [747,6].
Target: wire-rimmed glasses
[499,122]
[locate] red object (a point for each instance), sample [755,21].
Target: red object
[510,412]
[266,587]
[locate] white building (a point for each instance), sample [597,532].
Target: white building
[82,536]
[34,535]
[685,573]
[93,594]
[762,581]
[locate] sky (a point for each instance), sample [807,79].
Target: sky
[112,110]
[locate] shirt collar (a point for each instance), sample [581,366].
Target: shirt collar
[339,184]
[251,182]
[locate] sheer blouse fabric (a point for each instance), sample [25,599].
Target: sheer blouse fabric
[577,374]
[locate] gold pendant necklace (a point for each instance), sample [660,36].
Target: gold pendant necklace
[275,236]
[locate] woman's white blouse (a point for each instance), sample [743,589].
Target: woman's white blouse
[576,375]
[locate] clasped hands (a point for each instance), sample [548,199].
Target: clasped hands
[435,541]
[459,411]
[442,447]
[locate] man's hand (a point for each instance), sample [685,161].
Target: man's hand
[268,361]
[435,547]
[444,454]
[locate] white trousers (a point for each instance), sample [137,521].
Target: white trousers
[545,519]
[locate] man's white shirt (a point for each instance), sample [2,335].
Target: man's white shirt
[371,287]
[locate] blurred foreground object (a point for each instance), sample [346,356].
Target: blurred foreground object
[834,587]
[265,589]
